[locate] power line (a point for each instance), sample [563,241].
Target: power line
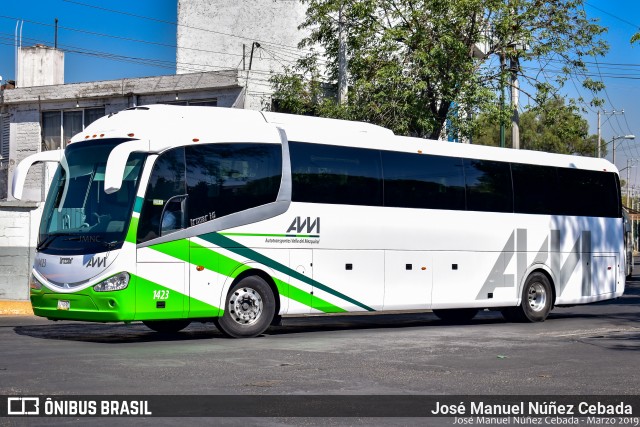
[129,39]
[120,12]
[613,16]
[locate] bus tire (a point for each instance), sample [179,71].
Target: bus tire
[536,301]
[456,315]
[167,326]
[249,309]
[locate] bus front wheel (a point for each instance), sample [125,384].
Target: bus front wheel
[249,309]
[536,301]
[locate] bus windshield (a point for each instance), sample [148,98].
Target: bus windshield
[79,217]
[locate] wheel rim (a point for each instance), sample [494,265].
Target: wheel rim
[537,296]
[245,306]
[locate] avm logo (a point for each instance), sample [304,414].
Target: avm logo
[300,225]
[97,262]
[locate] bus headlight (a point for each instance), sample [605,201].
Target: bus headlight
[34,284]
[114,283]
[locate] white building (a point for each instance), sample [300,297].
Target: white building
[224,34]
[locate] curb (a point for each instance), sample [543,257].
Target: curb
[15,308]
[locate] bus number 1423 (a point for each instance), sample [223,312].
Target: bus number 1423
[161,294]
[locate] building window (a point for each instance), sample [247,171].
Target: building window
[4,140]
[58,127]
[195,102]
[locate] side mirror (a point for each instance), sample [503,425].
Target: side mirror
[20,174]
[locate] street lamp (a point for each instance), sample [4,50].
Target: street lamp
[613,144]
[628,168]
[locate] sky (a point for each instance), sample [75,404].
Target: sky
[119,39]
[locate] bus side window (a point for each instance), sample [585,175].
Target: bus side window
[336,175]
[223,179]
[164,197]
[488,184]
[422,181]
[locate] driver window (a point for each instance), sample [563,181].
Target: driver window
[173,217]
[163,207]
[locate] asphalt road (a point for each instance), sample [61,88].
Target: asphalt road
[583,350]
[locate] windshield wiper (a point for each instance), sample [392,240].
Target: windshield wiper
[50,238]
[94,239]
[110,245]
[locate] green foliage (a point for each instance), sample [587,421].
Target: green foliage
[412,64]
[552,127]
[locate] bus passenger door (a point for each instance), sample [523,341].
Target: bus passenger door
[161,282]
[161,287]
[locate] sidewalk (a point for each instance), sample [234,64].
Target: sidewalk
[15,308]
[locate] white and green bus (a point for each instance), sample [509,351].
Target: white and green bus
[168,215]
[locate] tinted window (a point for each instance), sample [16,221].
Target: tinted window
[227,178]
[166,183]
[335,175]
[488,186]
[535,189]
[422,181]
[588,193]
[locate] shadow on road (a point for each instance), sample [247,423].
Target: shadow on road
[625,309]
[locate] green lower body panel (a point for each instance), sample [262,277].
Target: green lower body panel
[141,300]
[86,305]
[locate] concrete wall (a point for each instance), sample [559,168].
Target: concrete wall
[40,66]
[18,233]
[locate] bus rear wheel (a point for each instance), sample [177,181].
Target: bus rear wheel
[166,326]
[249,309]
[456,315]
[536,301]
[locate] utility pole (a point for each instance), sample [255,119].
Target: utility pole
[599,135]
[503,61]
[515,92]
[253,45]
[631,210]
[629,161]
[342,57]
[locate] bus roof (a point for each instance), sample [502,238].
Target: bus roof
[169,123]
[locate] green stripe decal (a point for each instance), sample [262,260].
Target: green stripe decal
[270,235]
[133,230]
[226,266]
[233,246]
[305,298]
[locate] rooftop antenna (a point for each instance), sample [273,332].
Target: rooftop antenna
[55,39]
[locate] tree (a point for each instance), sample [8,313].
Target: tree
[552,126]
[413,64]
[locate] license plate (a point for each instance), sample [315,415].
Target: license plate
[64,305]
